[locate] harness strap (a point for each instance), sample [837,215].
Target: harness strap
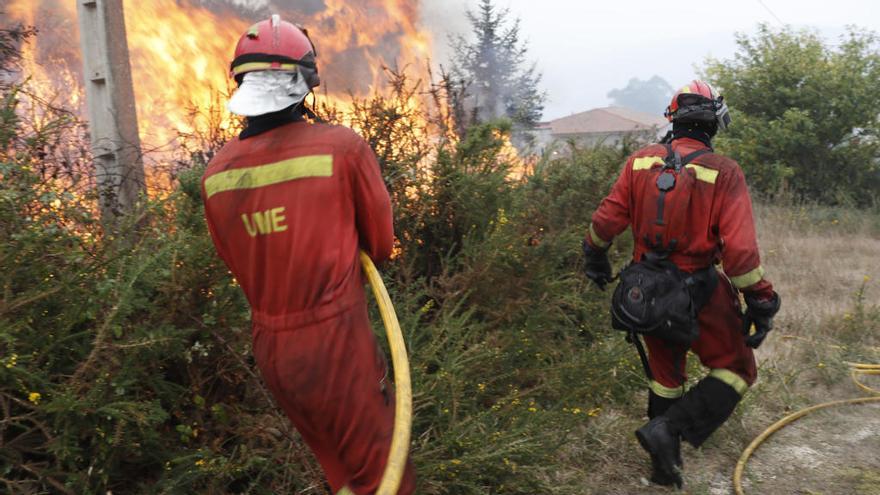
[690,156]
[666,183]
[643,356]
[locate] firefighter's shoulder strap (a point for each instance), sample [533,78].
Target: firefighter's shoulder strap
[643,356]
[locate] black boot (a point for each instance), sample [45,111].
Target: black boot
[658,405]
[664,446]
[693,417]
[702,410]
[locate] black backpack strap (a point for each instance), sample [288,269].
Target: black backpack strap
[666,182]
[690,156]
[672,160]
[643,356]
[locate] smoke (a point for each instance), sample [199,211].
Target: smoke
[444,19]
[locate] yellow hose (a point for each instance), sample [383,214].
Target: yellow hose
[864,369]
[403,386]
[857,369]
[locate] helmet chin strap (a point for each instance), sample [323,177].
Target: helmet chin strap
[308,112]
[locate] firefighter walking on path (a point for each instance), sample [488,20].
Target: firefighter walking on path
[689,209]
[289,205]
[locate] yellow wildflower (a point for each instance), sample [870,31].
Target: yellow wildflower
[34,397]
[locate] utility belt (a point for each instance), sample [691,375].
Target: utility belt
[654,297]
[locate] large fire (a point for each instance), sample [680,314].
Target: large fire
[180,51]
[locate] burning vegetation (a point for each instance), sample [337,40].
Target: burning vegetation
[124,363]
[180,53]
[123,357]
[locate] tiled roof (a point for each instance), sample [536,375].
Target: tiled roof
[606,120]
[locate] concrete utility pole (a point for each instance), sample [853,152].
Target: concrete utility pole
[116,146]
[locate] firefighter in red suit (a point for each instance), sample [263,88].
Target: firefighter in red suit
[289,204]
[718,227]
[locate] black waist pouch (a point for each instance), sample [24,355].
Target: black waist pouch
[655,298]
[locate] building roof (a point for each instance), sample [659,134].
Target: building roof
[606,120]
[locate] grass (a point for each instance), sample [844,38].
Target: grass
[817,258]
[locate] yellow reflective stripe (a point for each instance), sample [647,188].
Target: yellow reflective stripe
[345,491]
[747,279]
[272,173]
[252,66]
[704,174]
[598,241]
[735,381]
[646,162]
[685,89]
[666,392]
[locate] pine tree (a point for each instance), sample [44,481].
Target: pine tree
[494,66]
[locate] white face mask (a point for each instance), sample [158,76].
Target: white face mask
[267,91]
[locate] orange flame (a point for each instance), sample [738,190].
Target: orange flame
[180,53]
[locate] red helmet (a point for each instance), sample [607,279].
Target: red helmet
[698,102]
[274,44]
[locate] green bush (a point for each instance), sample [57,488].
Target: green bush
[805,115]
[125,363]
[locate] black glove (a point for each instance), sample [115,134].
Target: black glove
[759,312]
[597,267]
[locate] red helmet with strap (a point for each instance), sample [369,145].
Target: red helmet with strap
[698,102]
[274,44]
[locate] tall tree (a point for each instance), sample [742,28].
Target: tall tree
[651,96]
[806,117]
[493,64]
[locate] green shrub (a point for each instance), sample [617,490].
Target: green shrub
[805,116]
[126,365]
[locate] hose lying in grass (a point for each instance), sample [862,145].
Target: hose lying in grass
[858,369]
[403,387]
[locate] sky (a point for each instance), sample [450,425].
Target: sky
[586,48]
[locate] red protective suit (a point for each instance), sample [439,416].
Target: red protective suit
[288,210]
[719,227]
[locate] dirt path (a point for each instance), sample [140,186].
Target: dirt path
[829,452]
[832,451]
